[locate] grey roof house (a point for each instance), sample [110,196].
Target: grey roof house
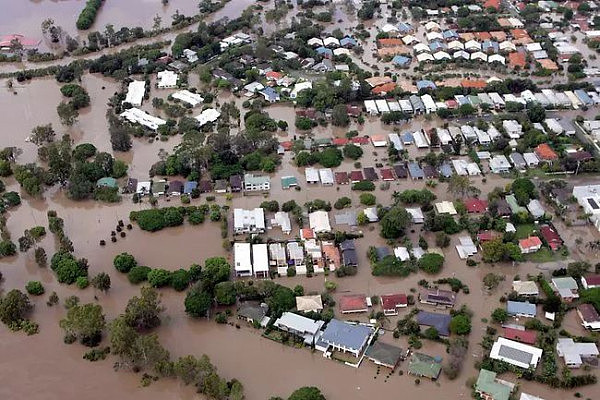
[346,337]
[441,322]
[520,309]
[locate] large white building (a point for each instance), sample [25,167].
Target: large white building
[319,221]
[135,93]
[588,197]
[137,116]
[515,353]
[241,258]
[248,221]
[260,260]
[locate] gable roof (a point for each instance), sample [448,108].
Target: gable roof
[441,322]
[347,335]
[353,303]
[423,365]
[475,205]
[384,353]
[488,384]
[545,152]
[524,336]
[391,301]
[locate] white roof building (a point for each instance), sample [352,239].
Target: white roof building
[319,221]
[515,353]
[512,128]
[260,260]
[496,58]
[242,261]
[137,116]
[465,247]
[507,45]
[186,96]
[282,219]
[445,207]
[573,352]
[460,166]
[405,105]
[315,42]
[444,136]
[326,175]
[207,116]
[300,86]
[478,55]
[588,197]
[420,48]
[456,45]
[166,79]
[525,288]
[442,55]
[499,164]
[143,187]
[395,140]
[301,326]
[417,215]
[432,26]
[371,107]
[382,106]
[248,221]
[424,57]
[472,45]
[429,103]
[409,39]
[135,93]
[401,253]
[312,175]
[331,41]
[462,54]
[419,139]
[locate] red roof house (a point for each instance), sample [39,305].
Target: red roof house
[530,244]
[473,83]
[340,141]
[391,302]
[528,337]
[591,281]
[274,75]
[356,176]
[341,178]
[287,145]
[475,205]
[495,4]
[486,236]
[545,152]
[516,59]
[307,234]
[360,140]
[385,88]
[551,237]
[387,174]
[355,303]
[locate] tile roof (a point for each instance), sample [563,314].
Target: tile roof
[475,205]
[545,152]
[531,241]
[353,303]
[524,336]
[517,59]
[391,301]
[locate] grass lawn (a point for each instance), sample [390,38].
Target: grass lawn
[524,231]
[544,255]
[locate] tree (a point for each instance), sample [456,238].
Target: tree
[524,190]
[138,274]
[339,115]
[536,112]
[85,323]
[352,151]
[159,277]
[330,157]
[34,288]
[394,222]
[307,393]
[225,293]
[197,302]
[367,199]
[146,352]
[459,185]
[216,269]
[124,262]
[431,263]
[101,282]
[14,307]
[42,134]
[499,315]
[281,300]
[460,324]
[180,279]
[442,239]
[67,113]
[142,313]
[431,333]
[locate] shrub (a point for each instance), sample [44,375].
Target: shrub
[34,288]
[431,263]
[364,186]
[124,262]
[368,199]
[342,202]
[180,280]
[291,271]
[82,282]
[138,274]
[159,277]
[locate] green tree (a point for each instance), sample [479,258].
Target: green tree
[159,277]
[307,393]
[459,185]
[42,134]
[352,151]
[460,324]
[124,262]
[14,306]
[180,279]
[225,293]
[281,300]
[536,112]
[368,199]
[138,274]
[339,115]
[85,323]
[143,313]
[216,269]
[34,288]
[197,302]
[330,157]
[499,315]
[431,263]
[101,282]
[67,113]
[394,222]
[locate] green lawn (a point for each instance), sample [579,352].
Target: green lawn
[544,255]
[524,231]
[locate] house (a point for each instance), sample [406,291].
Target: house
[248,221]
[137,116]
[466,248]
[207,116]
[566,287]
[515,353]
[175,188]
[252,312]
[513,129]
[309,303]
[130,186]
[441,322]
[353,304]
[531,159]
[270,94]
[491,388]
[535,208]
[575,354]
[278,258]
[370,174]
[445,207]
[437,297]
[475,205]
[520,335]
[520,309]
[590,281]
[525,288]
[486,236]
[255,183]
[415,171]
[107,182]
[166,79]
[551,237]
[518,161]
[205,186]
[401,253]
[349,255]
[342,178]
[193,99]
[525,396]
[260,260]
[424,366]
[235,183]
[356,176]
[590,319]
[143,188]
[299,326]
[384,354]
[515,208]
[387,174]
[282,219]
[312,175]
[430,172]
[588,197]
[220,186]
[296,257]
[319,221]
[417,215]
[135,93]
[288,182]
[346,337]
[242,259]
[159,187]
[530,244]
[400,171]
[391,302]
[545,153]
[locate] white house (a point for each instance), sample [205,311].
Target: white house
[499,164]
[135,93]
[137,116]
[209,115]
[588,197]
[531,159]
[303,327]
[188,97]
[312,175]
[512,128]
[248,221]
[166,79]
[326,176]
[282,219]
[260,260]
[255,183]
[319,221]
[573,352]
[242,261]
[515,353]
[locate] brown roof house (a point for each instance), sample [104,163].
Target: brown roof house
[437,297]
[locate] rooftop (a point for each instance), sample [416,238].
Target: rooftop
[346,335]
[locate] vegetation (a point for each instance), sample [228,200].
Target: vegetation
[431,263]
[84,323]
[34,288]
[88,14]
[124,262]
[394,222]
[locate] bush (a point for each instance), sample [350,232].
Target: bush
[124,262]
[138,274]
[352,151]
[7,248]
[431,263]
[180,280]
[34,288]
[82,282]
[88,14]
[291,271]
[342,202]
[272,206]
[368,199]
[159,277]
[460,324]
[442,239]
[364,186]
[499,315]
[196,217]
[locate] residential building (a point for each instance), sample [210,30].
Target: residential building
[574,354]
[309,303]
[254,183]
[520,309]
[278,258]
[242,259]
[346,337]
[260,260]
[566,287]
[326,176]
[499,164]
[525,288]
[135,93]
[350,304]
[551,237]
[282,219]
[445,207]
[441,322]
[349,255]
[384,354]
[319,221]
[166,79]
[530,244]
[331,255]
[300,326]
[588,197]
[535,208]
[252,312]
[312,175]
[590,281]
[437,297]
[590,319]
[248,221]
[137,116]
[390,303]
[296,257]
[424,366]
[515,353]
[235,183]
[489,387]
[520,334]
[466,248]
[417,215]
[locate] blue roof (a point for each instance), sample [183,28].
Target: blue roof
[348,40]
[446,170]
[449,34]
[518,307]
[490,43]
[270,92]
[324,50]
[415,170]
[407,137]
[401,60]
[346,335]
[404,27]
[425,84]
[441,322]
[189,186]
[583,96]
[437,46]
